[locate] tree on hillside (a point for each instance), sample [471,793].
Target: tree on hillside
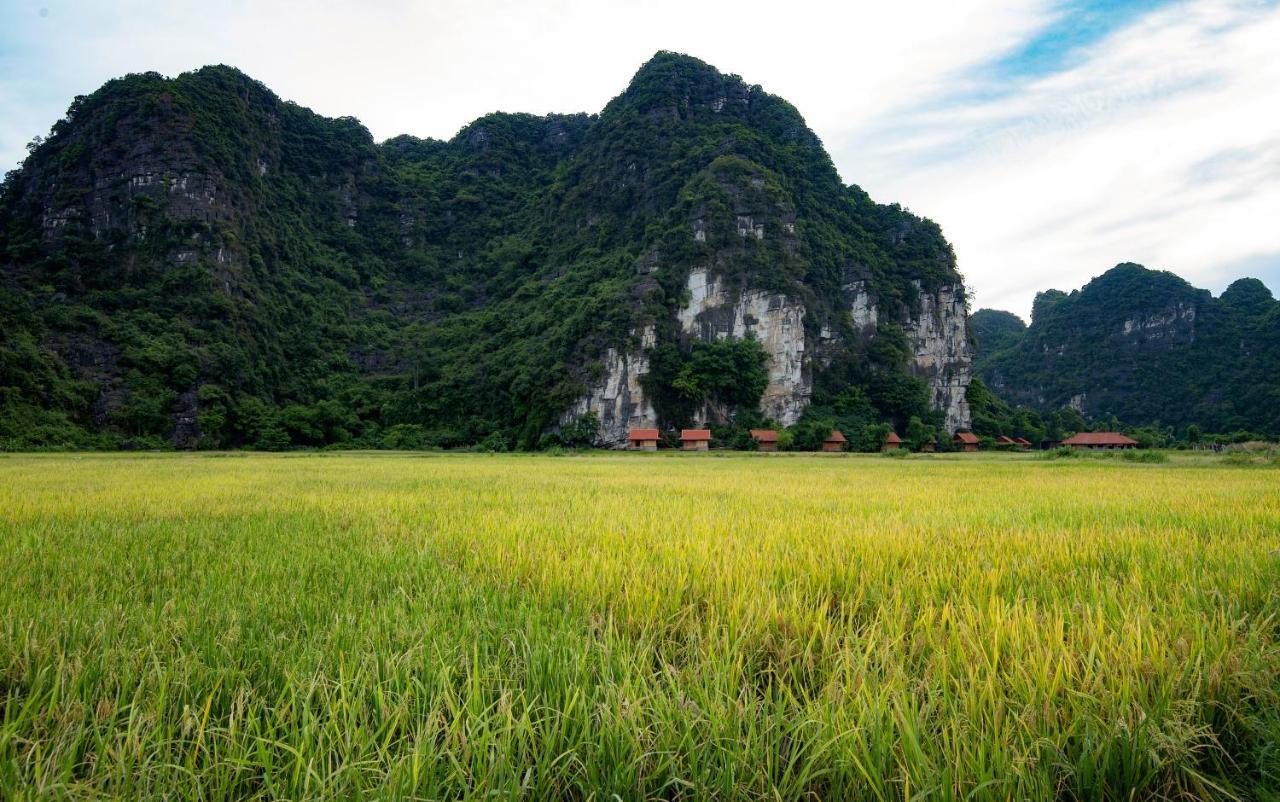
[727,375]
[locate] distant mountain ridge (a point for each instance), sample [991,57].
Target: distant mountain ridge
[1141,345]
[194,261]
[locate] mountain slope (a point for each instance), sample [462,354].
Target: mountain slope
[193,260]
[1143,345]
[994,331]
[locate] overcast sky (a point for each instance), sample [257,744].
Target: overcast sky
[1050,139]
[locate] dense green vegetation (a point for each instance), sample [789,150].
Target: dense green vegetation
[866,395]
[627,626]
[1141,348]
[993,331]
[194,261]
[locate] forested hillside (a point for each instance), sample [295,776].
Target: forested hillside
[994,331]
[193,261]
[1142,346]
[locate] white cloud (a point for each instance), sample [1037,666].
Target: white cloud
[429,68]
[1161,146]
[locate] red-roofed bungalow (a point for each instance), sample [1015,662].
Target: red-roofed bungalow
[967,441]
[835,441]
[1100,440]
[643,439]
[766,439]
[891,442]
[695,439]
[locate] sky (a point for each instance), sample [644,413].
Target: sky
[1051,139]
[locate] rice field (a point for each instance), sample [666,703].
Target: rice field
[339,626]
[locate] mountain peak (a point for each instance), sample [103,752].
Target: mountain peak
[994,329]
[1248,295]
[1130,284]
[672,84]
[666,65]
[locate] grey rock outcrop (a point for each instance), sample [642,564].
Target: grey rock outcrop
[1174,325]
[186,421]
[616,397]
[776,321]
[939,337]
[937,330]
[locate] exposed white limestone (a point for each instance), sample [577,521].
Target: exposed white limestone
[861,308]
[776,321]
[1164,325]
[938,331]
[747,227]
[616,397]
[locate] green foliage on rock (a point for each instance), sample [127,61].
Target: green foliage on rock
[195,262]
[728,375]
[993,330]
[1136,346]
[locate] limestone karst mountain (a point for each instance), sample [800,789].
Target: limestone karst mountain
[1142,345]
[194,260]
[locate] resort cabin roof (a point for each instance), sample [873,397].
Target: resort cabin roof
[966,438]
[1022,441]
[835,441]
[643,434]
[892,440]
[695,435]
[764,435]
[1100,440]
[1005,441]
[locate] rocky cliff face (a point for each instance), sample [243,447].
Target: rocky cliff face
[1168,326]
[773,319]
[130,180]
[616,396]
[943,355]
[937,331]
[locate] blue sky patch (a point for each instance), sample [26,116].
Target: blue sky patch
[1077,25]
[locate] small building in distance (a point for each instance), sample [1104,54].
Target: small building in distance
[1005,442]
[695,439]
[965,441]
[891,442]
[1022,442]
[1100,440]
[766,439]
[834,442]
[643,439]
[929,446]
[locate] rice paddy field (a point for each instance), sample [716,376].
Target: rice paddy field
[748,627]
